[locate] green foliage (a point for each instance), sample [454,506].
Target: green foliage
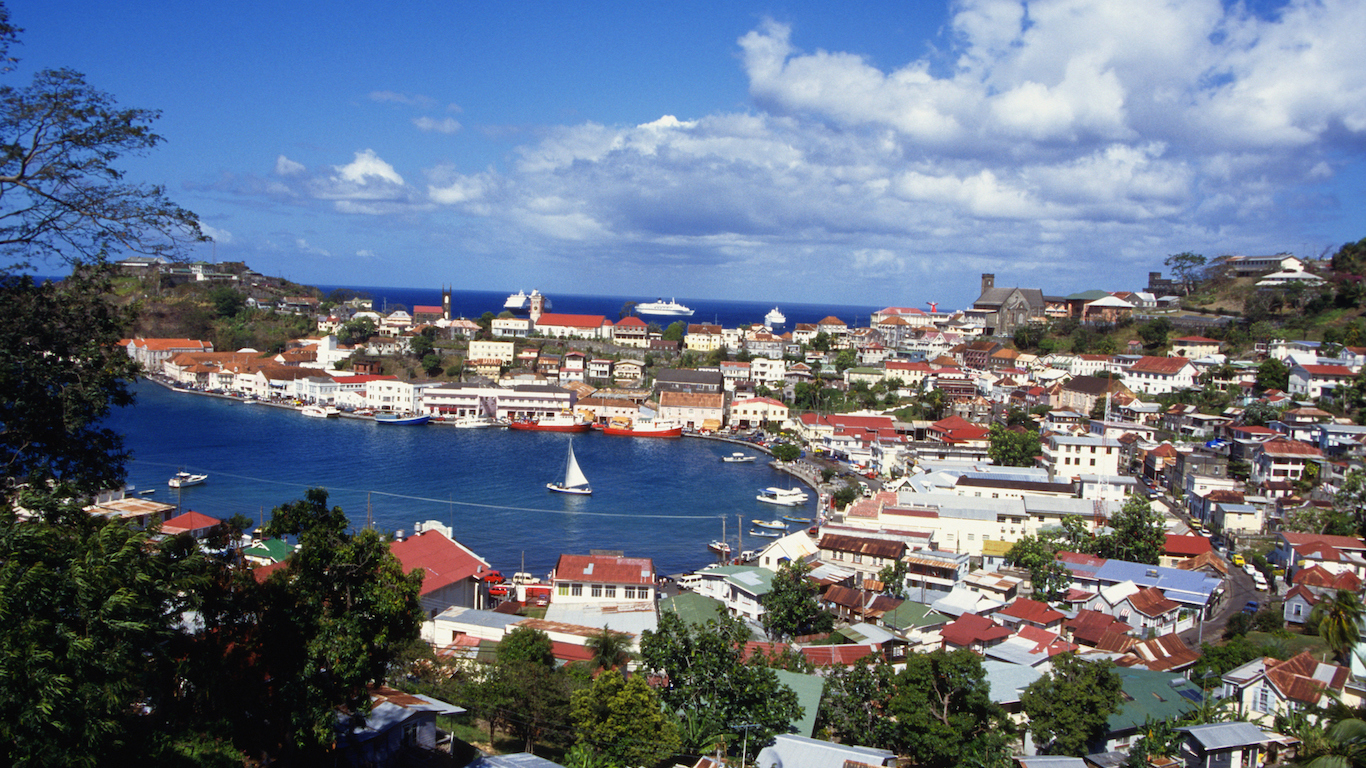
[1139,534]
[1068,708]
[792,607]
[1238,625]
[61,373]
[1351,258]
[356,330]
[526,645]
[1029,337]
[845,495]
[1155,739]
[1154,332]
[623,721]
[1011,448]
[227,301]
[1038,554]
[1273,374]
[853,704]
[787,452]
[893,578]
[709,680]
[611,650]
[675,331]
[821,341]
[1186,266]
[943,701]
[1339,619]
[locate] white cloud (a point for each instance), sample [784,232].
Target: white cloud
[220,236]
[407,99]
[286,167]
[367,167]
[430,124]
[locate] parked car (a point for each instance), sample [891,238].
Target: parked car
[1252,606]
[1238,561]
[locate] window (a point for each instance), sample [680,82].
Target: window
[628,592]
[611,590]
[564,590]
[972,537]
[576,590]
[858,558]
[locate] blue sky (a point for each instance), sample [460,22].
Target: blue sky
[816,152]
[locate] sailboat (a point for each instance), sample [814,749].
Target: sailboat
[574,480]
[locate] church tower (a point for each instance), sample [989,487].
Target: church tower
[446,303]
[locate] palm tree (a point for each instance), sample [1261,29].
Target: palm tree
[610,649]
[1340,622]
[1346,745]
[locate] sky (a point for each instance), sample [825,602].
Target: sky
[869,153]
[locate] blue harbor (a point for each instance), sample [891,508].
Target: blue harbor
[664,499]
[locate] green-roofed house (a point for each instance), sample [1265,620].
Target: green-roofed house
[741,588]
[694,609]
[1076,303]
[268,552]
[1148,696]
[808,689]
[916,622]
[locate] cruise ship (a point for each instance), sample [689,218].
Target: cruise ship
[520,302]
[774,318]
[662,307]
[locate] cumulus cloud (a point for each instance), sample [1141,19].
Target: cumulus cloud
[1043,134]
[220,236]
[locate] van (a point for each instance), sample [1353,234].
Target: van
[690,581]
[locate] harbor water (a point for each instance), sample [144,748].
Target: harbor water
[658,498]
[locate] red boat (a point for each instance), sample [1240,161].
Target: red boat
[559,422]
[645,429]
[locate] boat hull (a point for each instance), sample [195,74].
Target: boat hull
[643,432]
[186,480]
[533,426]
[402,421]
[765,534]
[782,501]
[771,525]
[557,488]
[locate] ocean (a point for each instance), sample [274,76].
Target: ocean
[472,304]
[663,499]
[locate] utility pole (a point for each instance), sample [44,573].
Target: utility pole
[740,534]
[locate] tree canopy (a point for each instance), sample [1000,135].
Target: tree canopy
[1013,448]
[1069,707]
[791,607]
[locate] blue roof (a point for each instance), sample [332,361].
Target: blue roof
[1186,587]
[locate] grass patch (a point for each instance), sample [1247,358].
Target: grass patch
[534,611]
[1295,643]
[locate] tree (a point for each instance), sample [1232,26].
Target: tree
[525,644]
[1186,266]
[943,704]
[1068,708]
[62,197]
[623,721]
[854,702]
[1345,744]
[893,578]
[791,606]
[1013,448]
[1154,332]
[845,495]
[786,452]
[1273,374]
[1039,555]
[707,676]
[228,302]
[61,373]
[1139,534]
[821,341]
[611,650]
[1339,621]
[356,330]
[675,331]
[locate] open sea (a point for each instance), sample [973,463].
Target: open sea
[728,313]
[663,499]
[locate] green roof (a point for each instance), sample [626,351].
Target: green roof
[912,614]
[277,550]
[808,689]
[1152,696]
[751,578]
[693,608]
[1090,295]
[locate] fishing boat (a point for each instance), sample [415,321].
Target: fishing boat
[184,479]
[564,421]
[397,420]
[720,548]
[764,533]
[574,479]
[643,429]
[797,520]
[770,525]
[783,497]
[738,458]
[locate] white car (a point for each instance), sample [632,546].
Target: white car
[1252,571]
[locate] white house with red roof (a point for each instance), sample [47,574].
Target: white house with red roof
[1194,346]
[603,579]
[1178,549]
[1281,459]
[1337,554]
[631,332]
[755,411]
[1160,375]
[451,571]
[1314,381]
[1267,687]
[1025,612]
[151,353]
[563,326]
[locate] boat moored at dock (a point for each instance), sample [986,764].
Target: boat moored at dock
[398,420]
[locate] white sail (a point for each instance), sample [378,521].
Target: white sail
[573,476]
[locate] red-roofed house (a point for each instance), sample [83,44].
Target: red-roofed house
[450,570]
[756,411]
[1280,459]
[1267,686]
[631,332]
[955,430]
[153,352]
[603,579]
[1194,346]
[1026,612]
[564,326]
[1154,612]
[1179,549]
[194,523]
[1160,375]
[1315,381]
[976,633]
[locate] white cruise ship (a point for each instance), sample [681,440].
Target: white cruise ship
[774,318]
[662,307]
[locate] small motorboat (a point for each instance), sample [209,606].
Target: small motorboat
[783,497]
[185,480]
[797,520]
[720,548]
[765,534]
[771,525]
[319,412]
[147,492]
[738,458]
[395,419]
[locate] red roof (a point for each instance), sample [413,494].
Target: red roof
[971,628]
[573,321]
[1031,610]
[1150,601]
[843,655]
[630,322]
[1162,366]
[1279,446]
[1186,546]
[1318,576]
[1303,678]
[605,569]
[1327,370]
[189,522]
[443,560]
